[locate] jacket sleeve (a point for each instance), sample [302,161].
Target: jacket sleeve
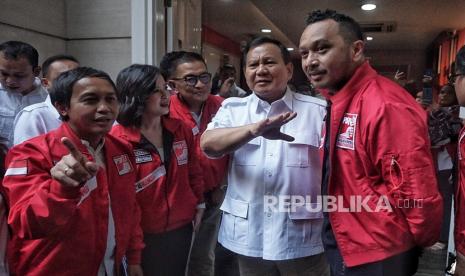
[39,205]
[196,179]
[399,145]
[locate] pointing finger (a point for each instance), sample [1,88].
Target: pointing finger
[73,150]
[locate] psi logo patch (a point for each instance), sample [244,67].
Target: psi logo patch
[180,149]
[346,137]
[123,165]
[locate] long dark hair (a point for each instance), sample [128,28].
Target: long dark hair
[134,85]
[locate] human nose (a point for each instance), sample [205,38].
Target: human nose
[103,107]
[9,80]
[262,69]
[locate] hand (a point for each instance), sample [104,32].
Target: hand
[74,168]
[270,127]
[217,196]
[198,219]
[135,270]
[226,87]
[399,75]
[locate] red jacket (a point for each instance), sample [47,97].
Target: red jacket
[380,147]
[459,231]
[214,170]
[58,230]
[167,200]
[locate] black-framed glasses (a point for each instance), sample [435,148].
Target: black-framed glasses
[192,80]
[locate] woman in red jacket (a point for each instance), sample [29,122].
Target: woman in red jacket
[169,181]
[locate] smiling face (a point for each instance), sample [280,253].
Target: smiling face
[193,95]
[328,60]
[92,109]
[158,103]
[17,75]
[266,73]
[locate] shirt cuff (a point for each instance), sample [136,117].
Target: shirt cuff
[201,205]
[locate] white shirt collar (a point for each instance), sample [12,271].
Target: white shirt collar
[96,153]
[282,105]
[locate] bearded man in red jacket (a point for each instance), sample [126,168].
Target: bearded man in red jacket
[377,148]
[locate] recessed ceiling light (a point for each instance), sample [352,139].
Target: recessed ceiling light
[368,7]
[266,31]
[369,38]
[290,49]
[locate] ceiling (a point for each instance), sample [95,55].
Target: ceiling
[418,22]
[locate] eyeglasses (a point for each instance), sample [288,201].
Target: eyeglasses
[192,80]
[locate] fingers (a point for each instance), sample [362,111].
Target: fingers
[285,137]
[73,150]
[59,172]
[281,119]
[92,167]
[74,168]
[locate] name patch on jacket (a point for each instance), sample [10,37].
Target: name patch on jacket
[123,165]
[142,156]
[180,150]
[346,136]
[17,167]
[150,178]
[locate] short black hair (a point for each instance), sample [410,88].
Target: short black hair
[349,29]
[264,40]
[460,61]
[18,49]
[170,61]
[46,64]
[134,85]
[62,89]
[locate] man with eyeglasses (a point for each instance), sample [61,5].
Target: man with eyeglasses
[187,75]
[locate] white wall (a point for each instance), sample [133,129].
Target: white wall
[39,23]
[99,33]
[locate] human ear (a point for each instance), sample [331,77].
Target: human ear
[36,71]
[357,51]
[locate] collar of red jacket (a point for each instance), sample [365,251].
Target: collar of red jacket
[178,105]
[133,134]
[65,130]
[360,77]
